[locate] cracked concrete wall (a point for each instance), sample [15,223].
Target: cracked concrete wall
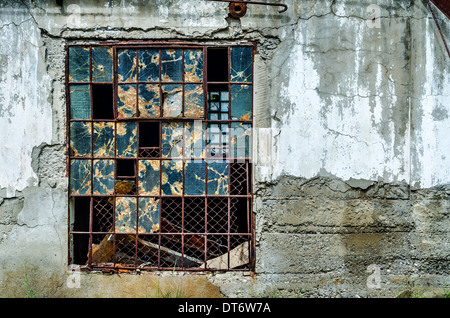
[352,165]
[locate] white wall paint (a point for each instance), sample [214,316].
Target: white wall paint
[25,113]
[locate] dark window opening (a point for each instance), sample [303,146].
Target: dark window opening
[149,137]
[81,224]
[217,65]
[126,177]
[80,248]
[125,168]
[102,100]
[82,208]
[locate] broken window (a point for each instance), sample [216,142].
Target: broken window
[159,156]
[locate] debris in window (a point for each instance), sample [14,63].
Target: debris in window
[159,141]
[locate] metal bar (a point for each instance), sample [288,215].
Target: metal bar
[115,109]
[182,207]
[166,195]
[67,154]
[91,124]
[285,7]
[166,233]
[443,5]
[439,28]
[161,96]
[115,87]
[159,44]
[205,136]
[137,86]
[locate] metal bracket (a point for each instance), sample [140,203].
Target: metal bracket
[239,8]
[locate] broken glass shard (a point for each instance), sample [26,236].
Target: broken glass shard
[102,66]
[126,139]
[80,176]
[149,177]
[126,101]
[194,178]
[125,215]
[241,64]
[171,177]
[149,101]
[193,101]
[193,65]
[171,65]
[149,65]
[104,139]
[126,65]
[103,177]
[79,64]
[80,139]
[241,102]
[148,215]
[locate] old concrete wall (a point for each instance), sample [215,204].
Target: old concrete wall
[352,170]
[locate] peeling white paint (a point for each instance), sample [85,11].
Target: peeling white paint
[25,114]
[336,134]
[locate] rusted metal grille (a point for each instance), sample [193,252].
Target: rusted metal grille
[159,156]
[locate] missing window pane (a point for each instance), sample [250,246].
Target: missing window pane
[148,134]
[102,101]
[217,64]
[80,248]
[82,210]
[125,168]
[81,224]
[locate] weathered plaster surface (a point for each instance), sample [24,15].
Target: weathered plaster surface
[353,155]
[25,112]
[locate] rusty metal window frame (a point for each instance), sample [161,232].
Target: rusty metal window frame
[216,233]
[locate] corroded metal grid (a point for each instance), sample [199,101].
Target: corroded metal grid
[159,157]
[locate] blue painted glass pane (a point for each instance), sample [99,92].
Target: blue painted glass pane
[172,139]
[80,101]
[126,139]
[149,101]
[126,65]
[241,102]
[217,178]
[193,101]
[194,139]
[149,177]
[104,139]
[149,65]
[194,178]
[103,177]
[125,215]
[148,215]
[241,140]
[172,100]
[80,139]
[241,64]
[102,66]
[80,176]
[171,65]
[78,64]
[126,101]
[193,65]
[171,177]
